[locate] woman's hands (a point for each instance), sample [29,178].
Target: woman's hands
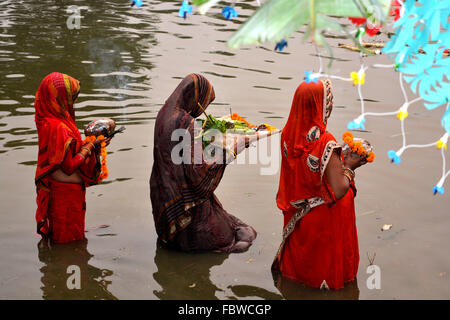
[98,142]
[338,181]
[352,160]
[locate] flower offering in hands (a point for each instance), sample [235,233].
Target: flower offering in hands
[103,153]
[358,146]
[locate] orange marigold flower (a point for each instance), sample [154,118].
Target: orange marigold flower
[88,139]
[347,134]
[371,157]
[358,147]
[348,140]
[104,169]
[237,117]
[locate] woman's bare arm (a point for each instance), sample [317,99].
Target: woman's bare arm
[335,172]
[335,177]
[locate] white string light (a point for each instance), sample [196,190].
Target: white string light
[358,78]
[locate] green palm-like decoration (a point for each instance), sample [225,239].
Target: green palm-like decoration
[279,19]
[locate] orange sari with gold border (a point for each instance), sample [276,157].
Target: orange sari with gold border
[320,243]
[58,136]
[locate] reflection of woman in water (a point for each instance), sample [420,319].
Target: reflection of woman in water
[57,258]
[292,290]
[187,214]
[65,166]
[316,191]
[184,275]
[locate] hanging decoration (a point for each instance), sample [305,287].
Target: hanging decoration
[138,3]
[229,13]
[185,9]
[280,45]
[420,46]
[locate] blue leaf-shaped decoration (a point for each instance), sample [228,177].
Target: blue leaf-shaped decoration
[446,120]
[421,36]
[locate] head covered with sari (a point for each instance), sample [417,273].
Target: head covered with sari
[176,188]
[55,120]
[306,146]
[57,131]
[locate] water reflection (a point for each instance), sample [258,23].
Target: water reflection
[297,291]
[110,54]
[57,258]
[246,291]
[186,276]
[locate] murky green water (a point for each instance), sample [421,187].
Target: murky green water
[129,60]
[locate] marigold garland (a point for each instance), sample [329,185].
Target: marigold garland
[104,169]
[237,117]
[357,146]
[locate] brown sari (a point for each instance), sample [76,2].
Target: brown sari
[187,214]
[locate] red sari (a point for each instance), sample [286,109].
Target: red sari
[60,206]
[320,244]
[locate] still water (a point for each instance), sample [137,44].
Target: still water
[129,60]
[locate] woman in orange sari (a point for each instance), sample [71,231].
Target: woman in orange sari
[65,166]
[316,191]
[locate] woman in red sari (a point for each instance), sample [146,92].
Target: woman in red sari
[65,166]
[316,191]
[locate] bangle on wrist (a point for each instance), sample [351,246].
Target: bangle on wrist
[87,150]
[348,176]
[349,173]
[82,155]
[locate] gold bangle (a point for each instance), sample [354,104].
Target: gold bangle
[350,172]
[87,149]
[82,155]
[348,176]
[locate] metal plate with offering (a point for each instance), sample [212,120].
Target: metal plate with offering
[235,129]
[366,144]
[357,146]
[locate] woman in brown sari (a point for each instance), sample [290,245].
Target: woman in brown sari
[187,214]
